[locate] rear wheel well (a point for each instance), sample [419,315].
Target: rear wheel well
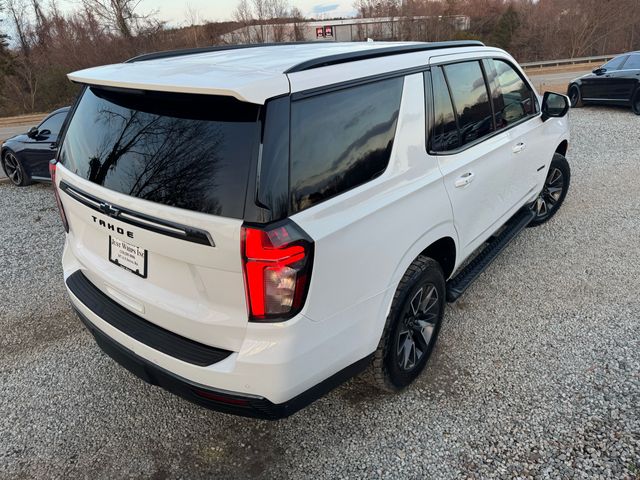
[443,251]
[562,148]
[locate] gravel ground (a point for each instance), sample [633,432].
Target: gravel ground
[536,374]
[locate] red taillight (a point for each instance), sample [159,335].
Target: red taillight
[277,269]
[52,172]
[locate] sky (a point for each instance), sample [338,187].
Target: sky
[175,12]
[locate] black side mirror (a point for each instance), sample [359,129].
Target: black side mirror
[554,105]
[33,132]
[44,133]
[600,71]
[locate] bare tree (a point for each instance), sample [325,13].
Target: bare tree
[297,33]
[193,19]
[243,14]
[277,12]
[260,15]
[122,16]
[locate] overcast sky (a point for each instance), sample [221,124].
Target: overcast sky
[175,12]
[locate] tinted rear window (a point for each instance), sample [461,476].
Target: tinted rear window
[444,135]
[182,150]
[342,139]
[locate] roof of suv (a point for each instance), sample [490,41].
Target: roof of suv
[249,73]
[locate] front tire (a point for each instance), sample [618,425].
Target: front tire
[412,326]
[575,96]
[635,102]
[553,192]
[12,166]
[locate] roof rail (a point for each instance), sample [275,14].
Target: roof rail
[218,48]
[380,52]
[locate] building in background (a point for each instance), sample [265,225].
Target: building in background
[352,29]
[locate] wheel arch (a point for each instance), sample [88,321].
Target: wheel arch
[563,147]
[443,251]
[440,243]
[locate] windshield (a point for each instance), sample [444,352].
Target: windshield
[183,150]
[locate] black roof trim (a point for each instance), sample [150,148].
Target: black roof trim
[380,52]
[218,48]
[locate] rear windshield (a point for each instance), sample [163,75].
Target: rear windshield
[183,150]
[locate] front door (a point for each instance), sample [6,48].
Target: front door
[40,149]
[476,165]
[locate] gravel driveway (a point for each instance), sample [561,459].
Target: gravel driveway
[536,374]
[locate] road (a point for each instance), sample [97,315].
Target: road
[555,80]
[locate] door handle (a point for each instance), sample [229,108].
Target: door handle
[464,180]
[519,147]
[53,146]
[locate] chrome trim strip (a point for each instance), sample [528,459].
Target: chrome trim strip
[163,227]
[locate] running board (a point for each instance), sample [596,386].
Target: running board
[457,285]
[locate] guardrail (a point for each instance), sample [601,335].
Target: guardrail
[568,61]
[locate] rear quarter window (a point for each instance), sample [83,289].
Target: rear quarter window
[342,139]
[182,150]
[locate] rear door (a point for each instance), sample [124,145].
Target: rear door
[153,185]
[629,77]
[475,162]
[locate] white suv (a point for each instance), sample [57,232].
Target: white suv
[250,226]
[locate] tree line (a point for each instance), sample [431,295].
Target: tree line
[40,44]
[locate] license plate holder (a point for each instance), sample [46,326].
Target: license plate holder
[128,256]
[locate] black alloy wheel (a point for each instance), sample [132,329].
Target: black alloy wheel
[411,328]
[575,97]
[14,170]
[550,195]
[416,332]
[635,103]
[553,192]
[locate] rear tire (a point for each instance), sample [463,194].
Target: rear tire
[635,102]
[12,166]
[575,96]
[412,327]
[554,191]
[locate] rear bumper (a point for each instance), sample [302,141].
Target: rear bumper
[280,368]
[219,400]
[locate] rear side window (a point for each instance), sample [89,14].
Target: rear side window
[513,100]
[341,139]
[616,63]
[444,134]
[183,150]
[470,99]
[633,63]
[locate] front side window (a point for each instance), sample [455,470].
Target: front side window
[53,124]
[513,100]
[183,150]
[444,133]
[341,139]
[470,99]
[633,63]
[615,64]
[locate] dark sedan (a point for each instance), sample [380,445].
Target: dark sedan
[25,157]
[617,82]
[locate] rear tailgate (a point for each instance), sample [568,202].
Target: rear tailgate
[154,202]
